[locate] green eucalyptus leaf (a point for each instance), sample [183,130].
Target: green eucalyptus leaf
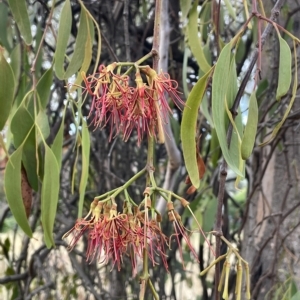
[22,128]
[250,128]
[64,31]
[85,153]
[188,127]
[50,191]
[19,11]
[79,50]
[230,9]
[13,190]
[57,145]
[4,21]
[42,124]
[87,54]
[194,40]
[15,64]
[185,6]
[7,87]
[44,87]
[285,68]
[219,105]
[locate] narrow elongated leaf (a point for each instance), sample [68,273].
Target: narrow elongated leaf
[3,24]
[85,153]
[64,31]
[188,127]
[294,94]
[219,92]
[50,190]
[250,128]
[285,68]
[58,144]
[44,87]
[19,11]
[79,51]
[185,6]
[15,64]
[38,38]
[230,9]
[7,87]
[194,40]
[22,128]
[87,54]
[42,125]
[13,191]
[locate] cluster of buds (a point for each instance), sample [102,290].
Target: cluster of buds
[112,236]
[241,266]
[124,107]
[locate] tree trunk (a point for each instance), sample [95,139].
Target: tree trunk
[272,231]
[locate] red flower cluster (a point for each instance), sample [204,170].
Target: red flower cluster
[143,107]
[113,235]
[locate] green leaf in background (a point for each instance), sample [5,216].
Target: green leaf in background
[15,58]
[79,50]
[185,6]
[188,127]
[285,68]
[50,191]
[57,145]
[85,153]
[13,191]
[42,124]
[219,92]
[250,128]
[7,87]
[44,87]
[63,35]
[39,60]
[194,40]
[230,9]
[3,24]
[87,54]
[294,94]
[22,128]
[19,11]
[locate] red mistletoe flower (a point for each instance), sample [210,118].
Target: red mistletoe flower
[143,107]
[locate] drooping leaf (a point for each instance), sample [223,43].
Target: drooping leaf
[19,11]
[194,40]
[43,87]
[219,92]
[7,87]
[285,68]
[3,24]
[294,94]
[22,128]
[79,50]
[63,35]
[88,50]
[42,124]
[230,9]
[12,185]
[188,127]
[250,128]
[185,6]
[39,59]
[85,153]
[50,192]
[15,64]
[58,144]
